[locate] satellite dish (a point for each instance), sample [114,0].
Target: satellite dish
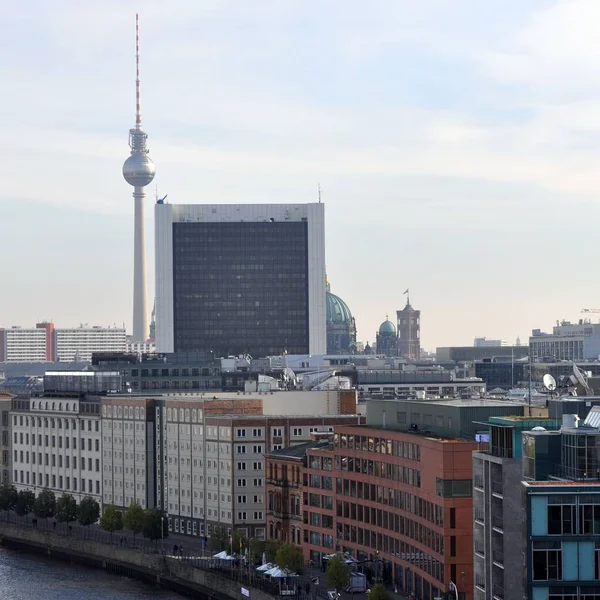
[579,376]
[549,382]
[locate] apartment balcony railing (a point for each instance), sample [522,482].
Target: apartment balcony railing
[498,558]
[479,549]
[479,516]
[478,482]
[498,524]
[498,592]
[497,488]
[480,583]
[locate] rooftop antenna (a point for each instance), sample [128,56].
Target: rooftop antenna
[319,193]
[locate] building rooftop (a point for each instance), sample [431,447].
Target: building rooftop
[300,450]
[556,483]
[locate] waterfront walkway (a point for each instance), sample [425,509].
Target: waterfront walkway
[191,551]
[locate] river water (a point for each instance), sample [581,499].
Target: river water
[31,577]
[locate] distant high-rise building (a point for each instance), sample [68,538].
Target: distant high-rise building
[409,331]
[138,171]
[240,279]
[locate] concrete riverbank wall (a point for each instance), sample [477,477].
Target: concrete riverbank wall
[171,573]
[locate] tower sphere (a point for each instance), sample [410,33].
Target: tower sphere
[139,170]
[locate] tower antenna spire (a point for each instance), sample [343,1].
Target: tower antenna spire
[138,114]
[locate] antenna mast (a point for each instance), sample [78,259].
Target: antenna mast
[138,116]
[319,193]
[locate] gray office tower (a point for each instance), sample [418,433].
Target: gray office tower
[240,279]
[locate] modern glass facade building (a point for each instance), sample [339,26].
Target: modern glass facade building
[563,529]
[240,279]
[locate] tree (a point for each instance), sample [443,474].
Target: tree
[88,511]
[289,556]
[134,518]
[256,549]
[66,509]
[112,519]
[271,548]
[378,592]
[337,575]
[45,504]
[155,524]
[238,542]
[25,503]
[8,497]
[219,540]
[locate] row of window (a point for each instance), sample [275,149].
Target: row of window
[50,481]
[434,513]
[366,443]
[390,521]
[176,372]
[52,422]
[377,468]
[50,441]
[50,460]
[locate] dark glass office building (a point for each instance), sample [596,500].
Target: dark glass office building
[240,279]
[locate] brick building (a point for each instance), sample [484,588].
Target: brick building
[284,471]
[369,494]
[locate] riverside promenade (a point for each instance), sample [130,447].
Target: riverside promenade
[154,563]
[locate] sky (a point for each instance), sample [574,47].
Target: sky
[456,145]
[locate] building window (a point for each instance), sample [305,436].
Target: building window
[241,433]
[561,519]
[241,516]
[257,432]
[453,488]
[258,449]
[589,519]
[547,561]
[258,515]
[241,482]
[241,449]
[297,431]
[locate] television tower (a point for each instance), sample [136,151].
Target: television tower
[139,171]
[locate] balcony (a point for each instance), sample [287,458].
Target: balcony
[479,516]
[480,583]
[479,550]
[497,489]
[498,524]
[498,558]
[498,592]
[284,483]
[478,482]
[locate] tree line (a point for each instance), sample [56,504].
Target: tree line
[151,523]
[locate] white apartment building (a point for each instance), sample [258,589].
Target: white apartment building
[140,347]
[212,467]
[56,444]
[78,343]
[24,345]
[128,451]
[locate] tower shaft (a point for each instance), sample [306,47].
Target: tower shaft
[140,284]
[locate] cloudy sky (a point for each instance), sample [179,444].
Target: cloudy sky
[457,144]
